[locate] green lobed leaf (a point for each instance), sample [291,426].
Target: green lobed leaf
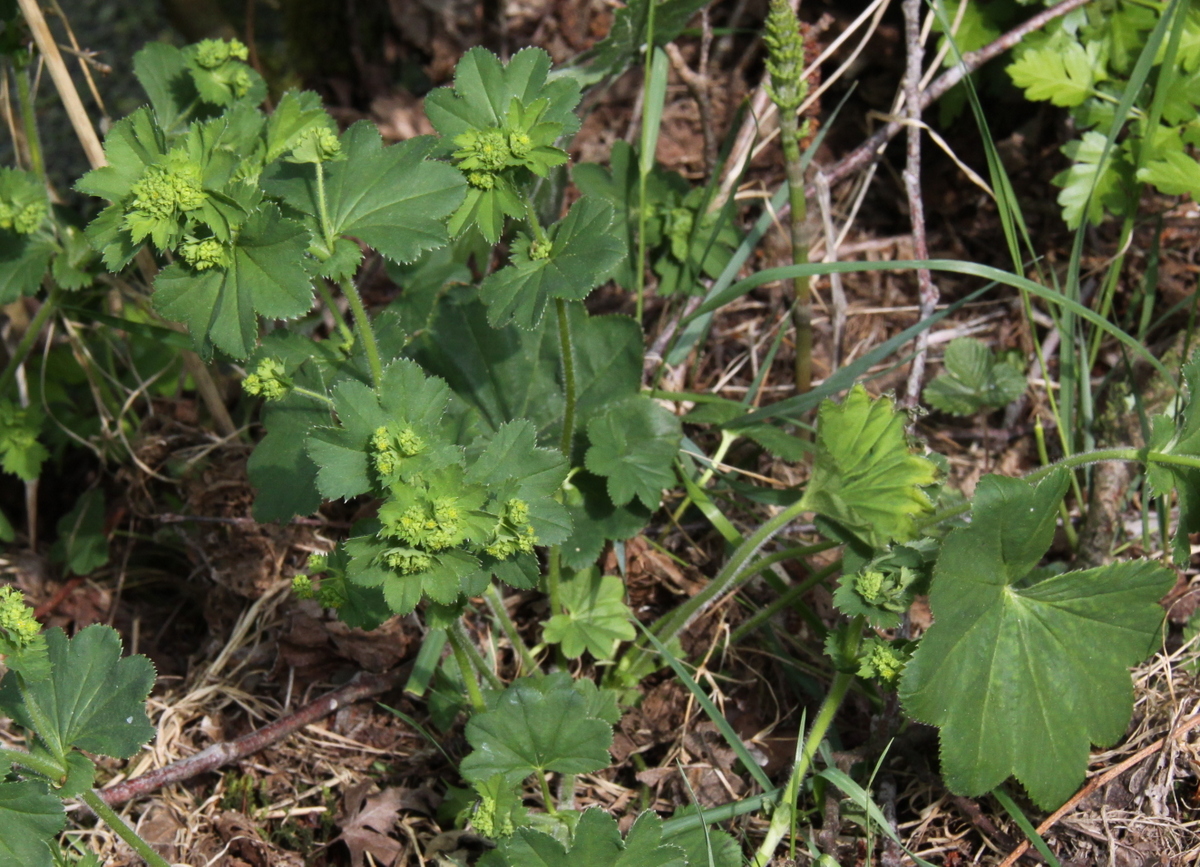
[634,445]
[31,818]
[161,69]
[698,843]
[484,89]
[596,842]
[974,380]
[391,198]
[1176,174]
[864,474]
[20,452]
[597,618]
[93,699]
[1023,669]
[537,724]
[1179,436]
[582,253]
[266,276]
[407,399]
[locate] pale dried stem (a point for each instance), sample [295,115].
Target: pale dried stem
[926,290]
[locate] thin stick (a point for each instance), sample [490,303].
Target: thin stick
[872,148]
[926,291]
[1100,780]
[44,40]
[219,755]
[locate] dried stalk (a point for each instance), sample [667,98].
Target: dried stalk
[926,290]
[219,755]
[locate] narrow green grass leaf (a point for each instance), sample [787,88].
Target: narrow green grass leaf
[722,724]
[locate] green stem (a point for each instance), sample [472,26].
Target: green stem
[1126,453]
[49,306]
[325,399]
[549,801]
[322,213]
[643,171]
[554,580]
[476,657]
[338,318]
[114,821]
[727,439]
[32,139]
[535,225]
[784,819]
[525,661]
[364,328]
[802,310]
[474,693]
[43,765]
[568,361]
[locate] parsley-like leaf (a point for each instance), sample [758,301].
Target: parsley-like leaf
[1090,186]
[20,452]
[974,380]
[1060,71]
[1023,669]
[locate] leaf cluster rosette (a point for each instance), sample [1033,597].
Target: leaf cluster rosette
[502,121]
[451,517]
[250,206]
[974,379]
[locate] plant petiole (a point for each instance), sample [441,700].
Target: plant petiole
[43,765]
[338,318]
[114,821]
[363,323]
[458,646]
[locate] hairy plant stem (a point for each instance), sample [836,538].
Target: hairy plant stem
[568,362]
[525,661]
[32,140]
[43,765]
[338,318]
[783,820]
[789,138]
[363,322]
[477,659]
[114,821]
[325,399]
[554,579]
[1127,453]
[458,645]
[25,346]
[322,212]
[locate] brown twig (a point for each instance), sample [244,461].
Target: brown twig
[926,290]
[872,148]
[1100,780]
[218,755]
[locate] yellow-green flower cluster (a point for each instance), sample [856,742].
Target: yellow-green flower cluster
[434,526]
[269,379]
[24,220]
[16,618]
[204,253]
[211,53]
[883,660]
[514,534]
[390,446]
[165,191]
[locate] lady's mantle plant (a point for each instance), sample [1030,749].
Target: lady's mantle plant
[501,433]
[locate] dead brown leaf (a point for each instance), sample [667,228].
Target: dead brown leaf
[368,819]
